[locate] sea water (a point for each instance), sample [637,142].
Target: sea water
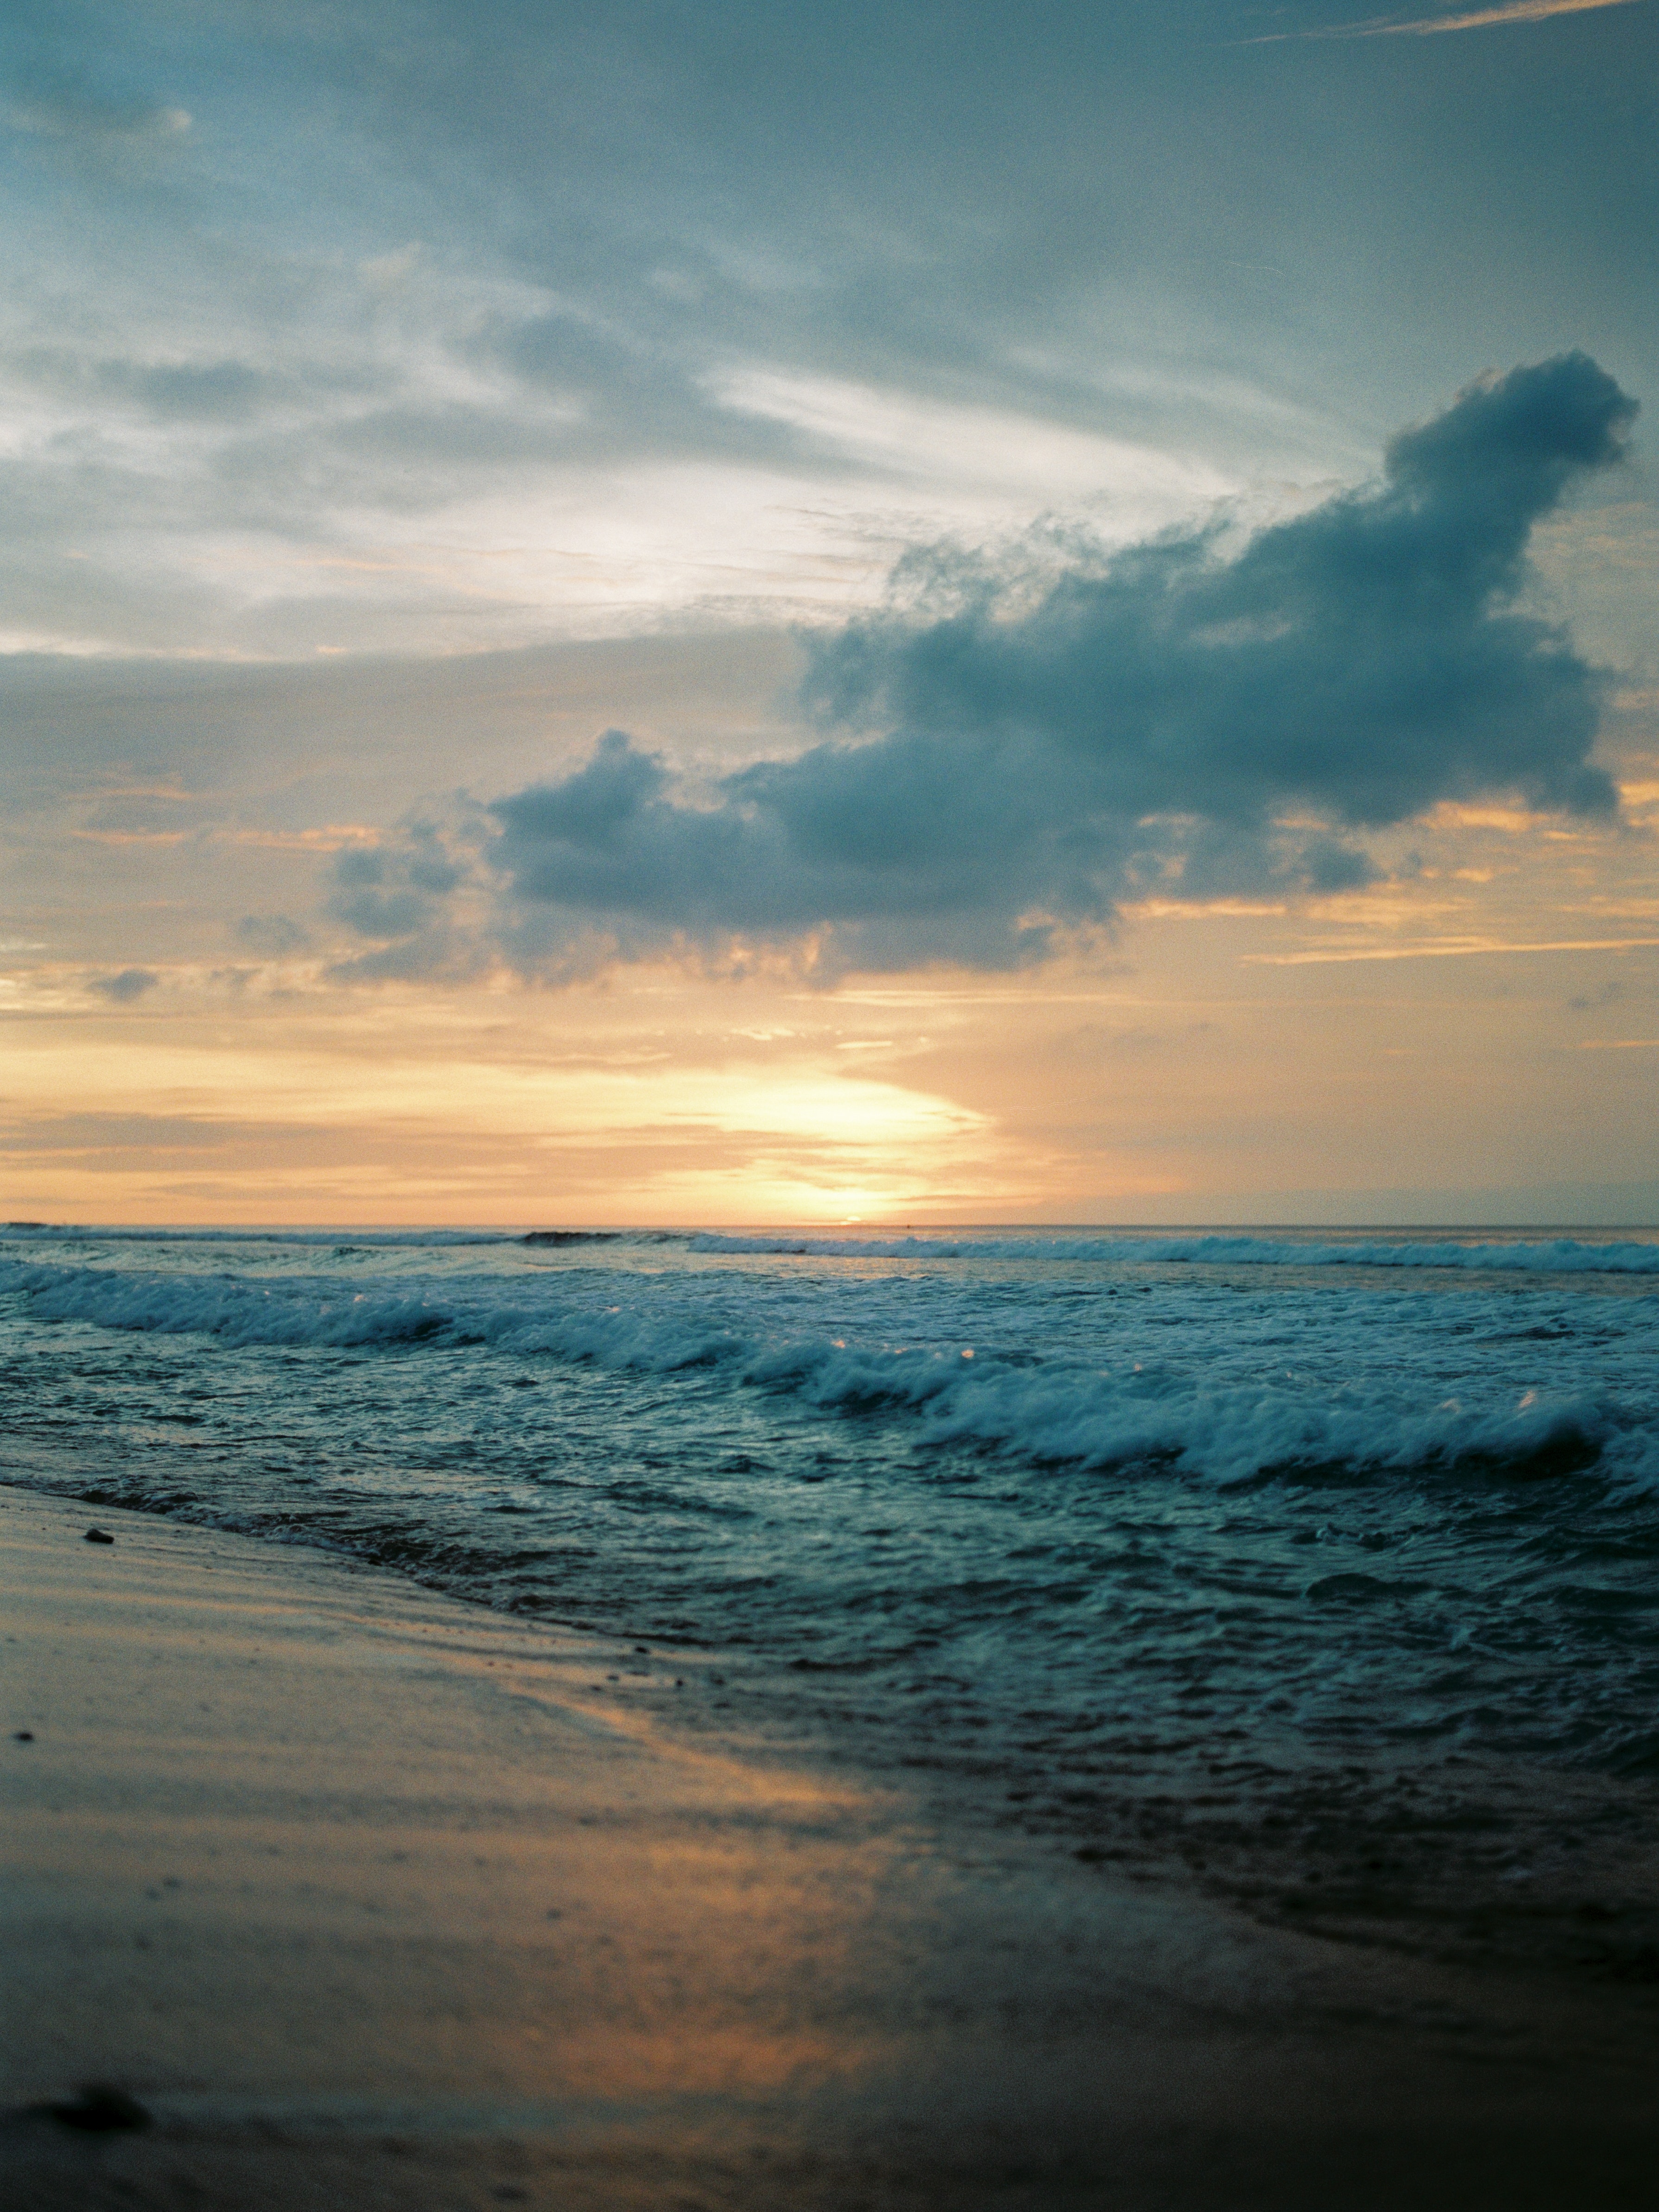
[1120,1538]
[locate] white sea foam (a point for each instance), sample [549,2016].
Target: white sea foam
[1115,1408]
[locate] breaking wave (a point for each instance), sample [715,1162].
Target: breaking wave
[237,1313]
[1054,1410]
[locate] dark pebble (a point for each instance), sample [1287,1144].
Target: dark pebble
[24,1736]
[99,1536]
[99,2109]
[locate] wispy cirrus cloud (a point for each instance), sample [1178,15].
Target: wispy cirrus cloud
[1475,19]
[1514,11]
[1466,948]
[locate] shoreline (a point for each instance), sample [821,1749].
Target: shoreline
[314,1861]
[1494,1864]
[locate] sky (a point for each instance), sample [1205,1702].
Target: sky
[910,613]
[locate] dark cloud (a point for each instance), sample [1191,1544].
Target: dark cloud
[393,894]
[130,984]
[1169,717]
[403,894]
[274,934]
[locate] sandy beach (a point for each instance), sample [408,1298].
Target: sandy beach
[374,1897]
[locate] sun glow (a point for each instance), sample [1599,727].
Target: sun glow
[290,1116]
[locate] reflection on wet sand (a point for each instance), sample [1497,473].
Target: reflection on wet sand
[304,1849]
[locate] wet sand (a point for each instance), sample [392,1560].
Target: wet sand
[375,1899]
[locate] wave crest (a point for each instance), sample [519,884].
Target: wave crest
[1557,1255]
[1062,1411]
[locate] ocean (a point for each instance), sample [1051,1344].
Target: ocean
[1288,1555]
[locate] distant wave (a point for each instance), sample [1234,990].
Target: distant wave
[391,1239]
[367,1239]
[1059,1412]
[570,1236]
[1561,1256]
[1555,1256]
[557,1239]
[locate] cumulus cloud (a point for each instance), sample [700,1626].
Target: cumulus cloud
[122,988]
[1011,761]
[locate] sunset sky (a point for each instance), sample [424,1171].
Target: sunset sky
[726,613]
